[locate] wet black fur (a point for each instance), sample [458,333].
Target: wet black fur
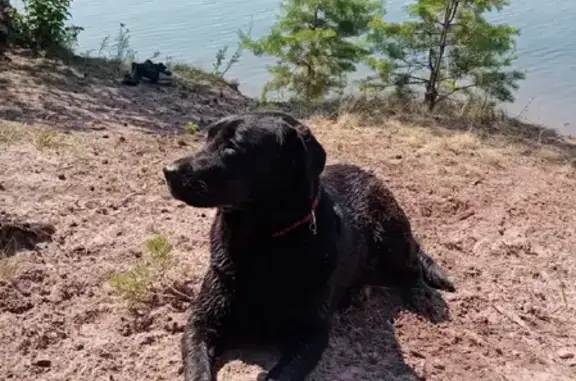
[262,171]
[148,69]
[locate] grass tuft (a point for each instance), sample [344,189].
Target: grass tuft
[9,134]
[136,285]
[48,139]
[159,249]
[191,128]
[8,267]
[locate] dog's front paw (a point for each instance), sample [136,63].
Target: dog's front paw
[265,376]
[272,375]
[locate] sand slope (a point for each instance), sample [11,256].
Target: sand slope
[501,218]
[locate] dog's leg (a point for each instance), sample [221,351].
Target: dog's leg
[205,331]
[401,261]
[198,348]
[433,274]
[301,356]
[153,76]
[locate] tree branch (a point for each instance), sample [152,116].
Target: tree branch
[456,89]
[453,15]
[418,79]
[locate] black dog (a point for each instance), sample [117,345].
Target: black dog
[289,246]
[148,69]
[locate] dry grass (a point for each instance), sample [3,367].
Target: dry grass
[48,139]
[10,133]
[435,140]
[194,76]
[469,127]
[8,267]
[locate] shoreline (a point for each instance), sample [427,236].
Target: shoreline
[200,97]
[544,90]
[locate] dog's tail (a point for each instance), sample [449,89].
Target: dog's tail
[433,274]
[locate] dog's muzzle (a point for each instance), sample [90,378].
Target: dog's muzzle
[184,184]
[171,172]
[173,175]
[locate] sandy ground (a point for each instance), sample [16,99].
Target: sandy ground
[501,217]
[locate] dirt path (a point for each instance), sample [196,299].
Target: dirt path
[503,223]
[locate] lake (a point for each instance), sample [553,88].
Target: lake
[193,31]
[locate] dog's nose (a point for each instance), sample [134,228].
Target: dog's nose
[171,169]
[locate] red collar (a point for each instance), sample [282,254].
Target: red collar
[310,217]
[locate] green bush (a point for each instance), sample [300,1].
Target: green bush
[42,26]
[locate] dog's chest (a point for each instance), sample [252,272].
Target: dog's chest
[283,282]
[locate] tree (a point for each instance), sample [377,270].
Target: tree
[42,25]
[447,48]
[316,44]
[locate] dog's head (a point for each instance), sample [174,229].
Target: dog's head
[158,67]
[163,69]
[247,158]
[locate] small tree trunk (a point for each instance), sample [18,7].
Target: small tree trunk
[431,96]
[310,69]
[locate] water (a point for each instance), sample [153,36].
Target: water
[193,31]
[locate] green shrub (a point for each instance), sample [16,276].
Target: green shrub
[43,26]
[136,285]
[191,128]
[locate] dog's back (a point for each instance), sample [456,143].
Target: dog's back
[390,252]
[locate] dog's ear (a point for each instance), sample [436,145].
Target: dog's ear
[227,122]
[315,153]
